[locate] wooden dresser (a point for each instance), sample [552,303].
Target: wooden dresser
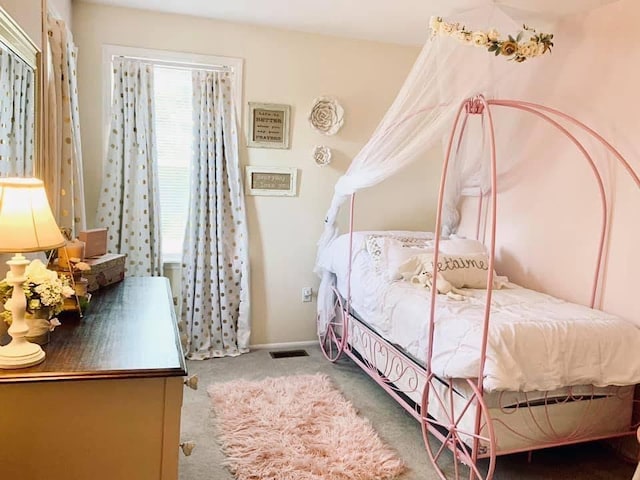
[105,403]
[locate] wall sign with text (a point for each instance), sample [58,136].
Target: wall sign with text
[278,181]
[268,125]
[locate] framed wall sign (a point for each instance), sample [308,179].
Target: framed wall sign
[268,125]
[278,181]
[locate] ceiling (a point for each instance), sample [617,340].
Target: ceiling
[397,21]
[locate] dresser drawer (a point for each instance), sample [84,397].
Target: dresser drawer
[94,429]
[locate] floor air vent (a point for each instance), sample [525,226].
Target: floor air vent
[289,353]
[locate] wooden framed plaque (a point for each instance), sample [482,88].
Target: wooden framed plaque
[277,181]
[268,125]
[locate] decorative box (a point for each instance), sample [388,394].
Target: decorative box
[95,242]
[105,270]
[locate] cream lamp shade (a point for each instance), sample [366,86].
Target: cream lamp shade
[26,220]
[26,225]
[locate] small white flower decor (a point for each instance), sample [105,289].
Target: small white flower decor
[45,293]
[322,155]
[515,48]
[327,116]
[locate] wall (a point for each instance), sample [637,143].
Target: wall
[549,218]
[28,14]
[280,67]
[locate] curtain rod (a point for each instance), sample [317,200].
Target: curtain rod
[177,65]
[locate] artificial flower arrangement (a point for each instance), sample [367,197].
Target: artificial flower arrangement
[516,48]
[45,292]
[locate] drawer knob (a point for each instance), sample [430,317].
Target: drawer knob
[187,447]
[192,382]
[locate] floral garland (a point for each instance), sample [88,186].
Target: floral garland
[515,48]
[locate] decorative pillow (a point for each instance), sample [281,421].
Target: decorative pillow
[458,271]
[461,271]
[406,239]
[335,258]
[388,252]
[377,250]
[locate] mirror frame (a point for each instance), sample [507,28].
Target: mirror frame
[16,40]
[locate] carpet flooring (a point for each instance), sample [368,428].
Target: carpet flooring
[393,424]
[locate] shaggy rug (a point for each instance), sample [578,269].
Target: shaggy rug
[297,428]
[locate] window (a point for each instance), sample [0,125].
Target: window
[174,147]
[173,129]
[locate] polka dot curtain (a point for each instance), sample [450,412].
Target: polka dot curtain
[17,107]
[215,270]
[63,169]
[129,201]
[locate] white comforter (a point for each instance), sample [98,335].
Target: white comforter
[536,342]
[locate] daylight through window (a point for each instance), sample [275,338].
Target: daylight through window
[173,126]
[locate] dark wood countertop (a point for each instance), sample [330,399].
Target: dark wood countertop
[129,331]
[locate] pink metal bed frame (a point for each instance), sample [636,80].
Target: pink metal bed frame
[396,367]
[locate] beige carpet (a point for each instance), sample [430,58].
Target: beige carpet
[591,461]
[297,428]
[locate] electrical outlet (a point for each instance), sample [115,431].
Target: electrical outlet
[307,293]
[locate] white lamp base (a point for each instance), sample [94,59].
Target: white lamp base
[20,356]
[19,352]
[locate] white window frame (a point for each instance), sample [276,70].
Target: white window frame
[164,58]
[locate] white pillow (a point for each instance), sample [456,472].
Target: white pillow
[462,271]
[335,258]
[389,252]
[459,271]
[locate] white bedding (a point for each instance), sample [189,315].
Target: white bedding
[536,342]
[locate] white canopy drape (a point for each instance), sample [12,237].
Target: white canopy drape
[446,72]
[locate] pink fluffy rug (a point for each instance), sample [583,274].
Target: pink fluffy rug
[297,428]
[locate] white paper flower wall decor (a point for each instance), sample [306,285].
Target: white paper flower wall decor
[322,155]
[327,116]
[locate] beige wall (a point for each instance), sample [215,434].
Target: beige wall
[28,14]
[598,86]
[549,217]
[280,67]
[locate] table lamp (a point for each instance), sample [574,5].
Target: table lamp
[26,225]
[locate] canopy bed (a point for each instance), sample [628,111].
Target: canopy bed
[487,367]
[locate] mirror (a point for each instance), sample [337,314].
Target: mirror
[19,101]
